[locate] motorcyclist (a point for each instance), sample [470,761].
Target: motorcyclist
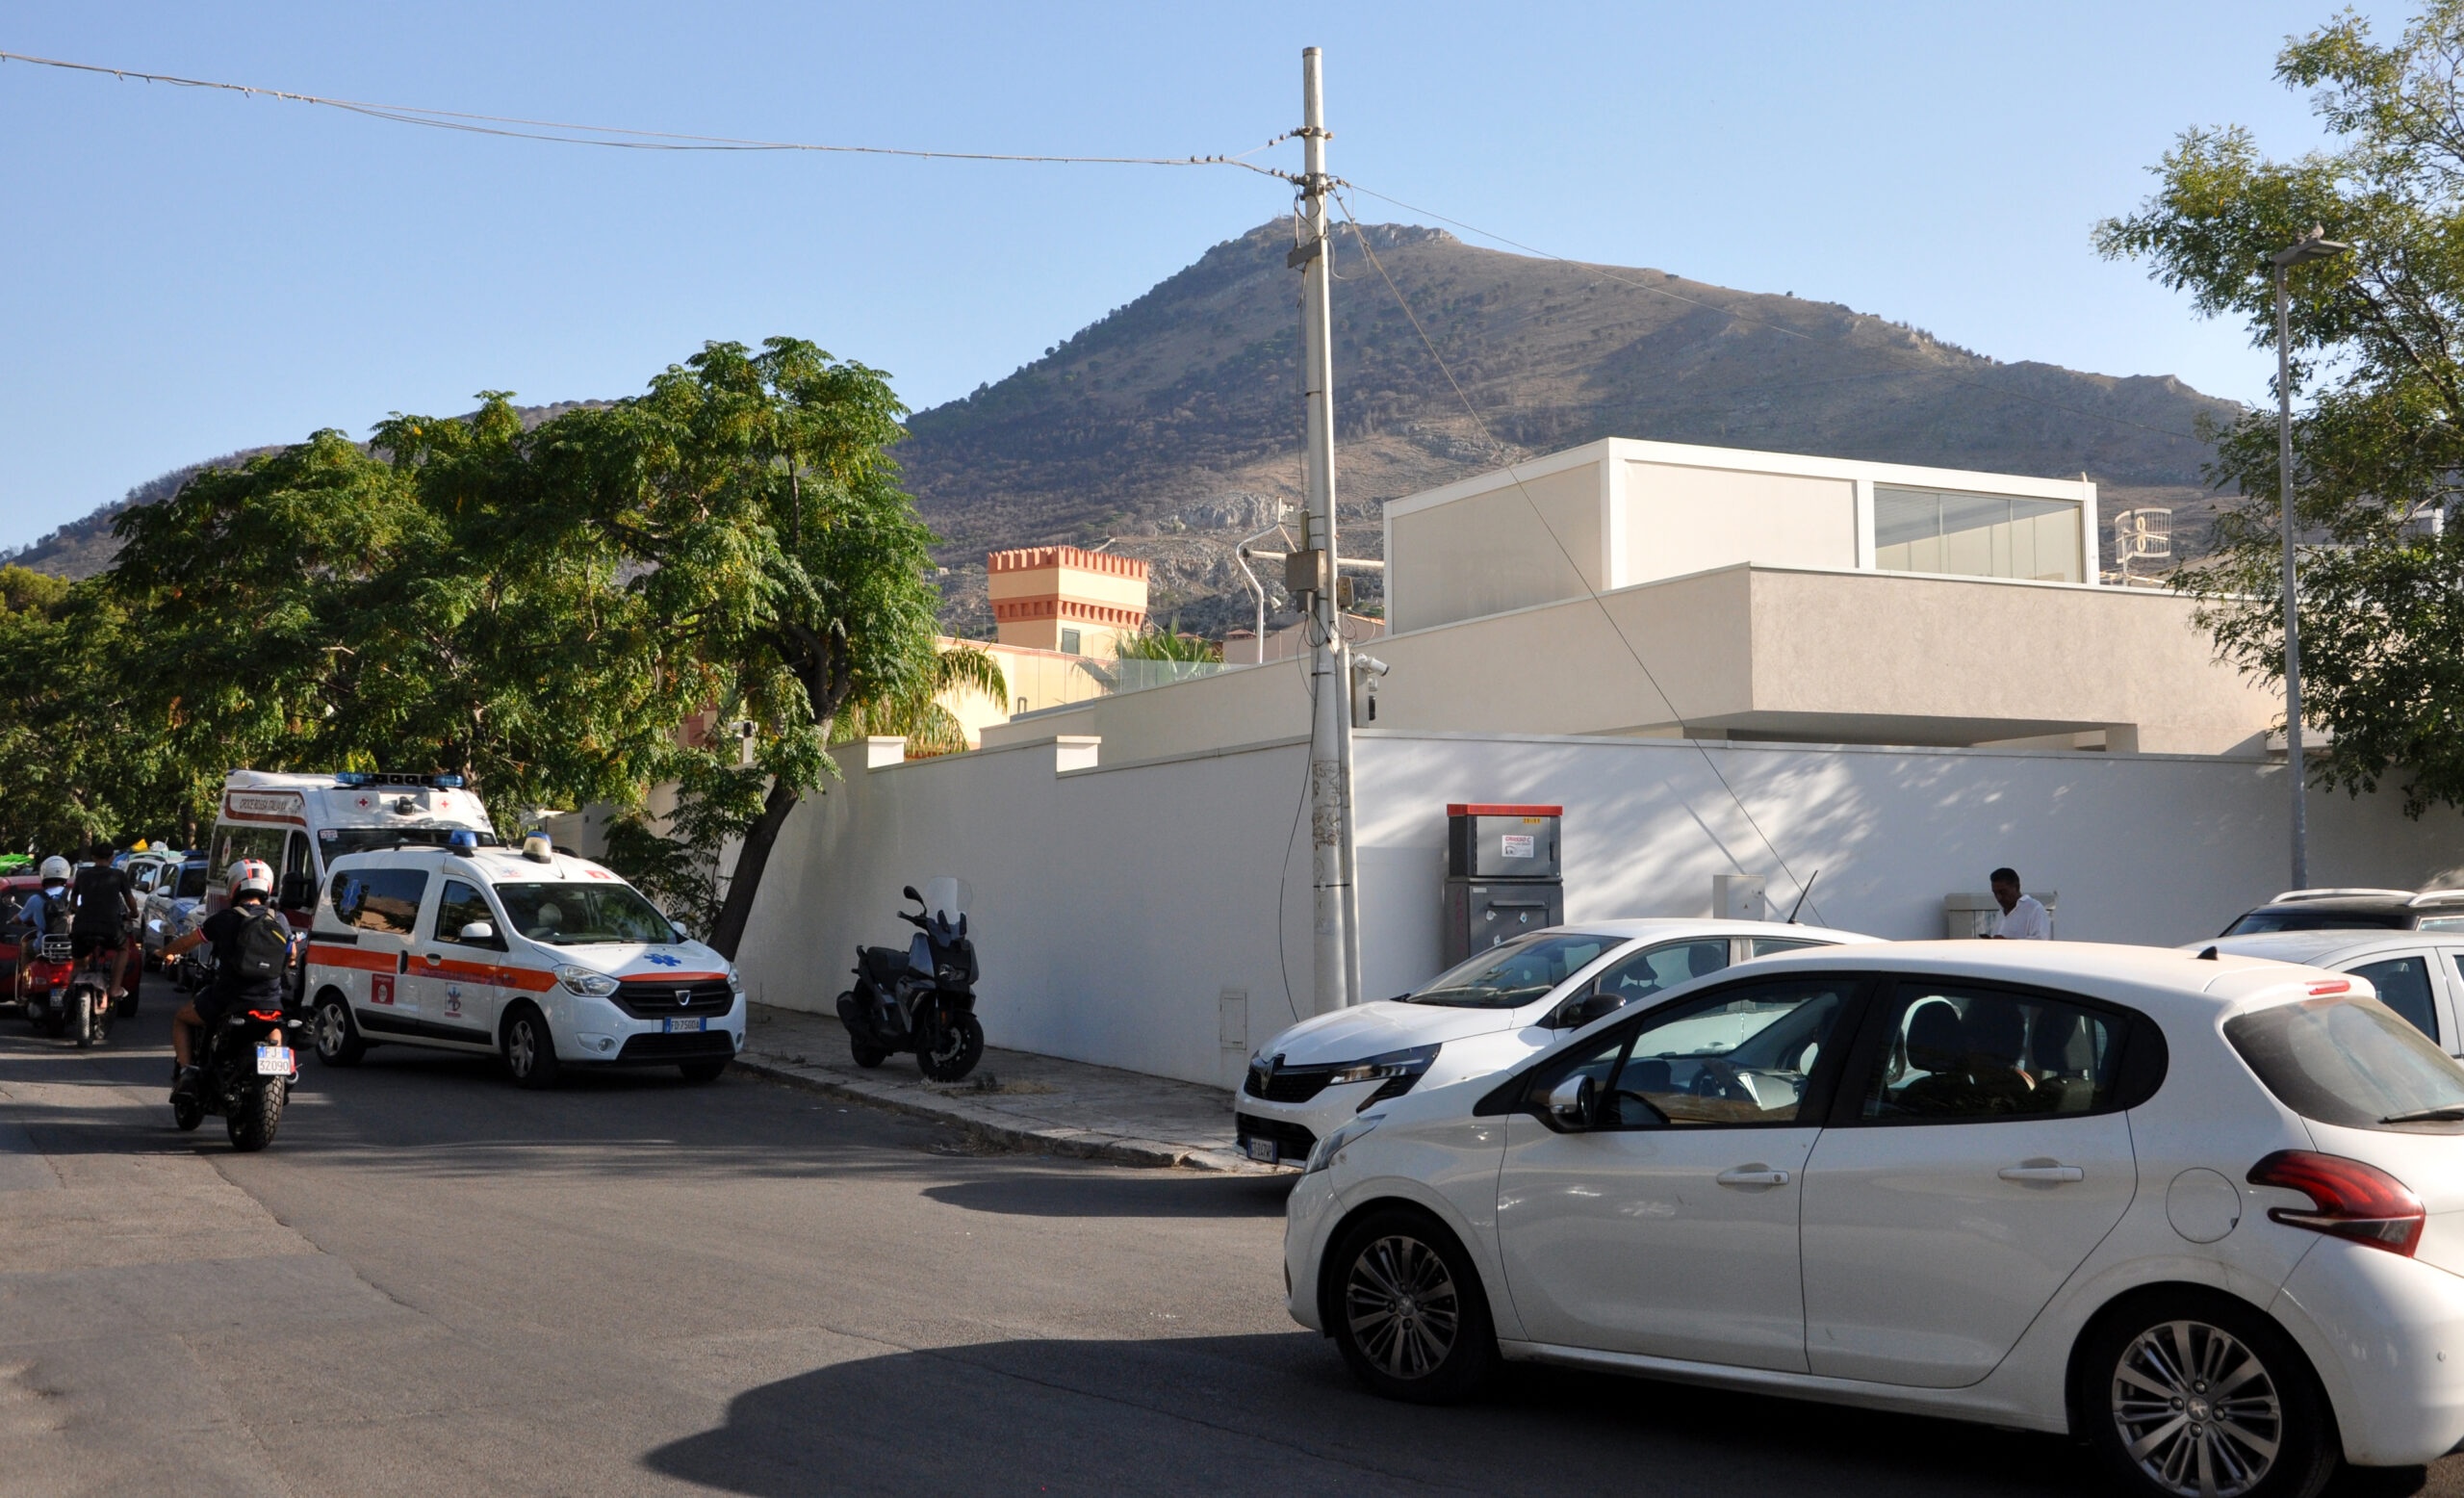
[105,913]
[229,930]
[44,911]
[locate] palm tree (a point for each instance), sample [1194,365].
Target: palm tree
[916,713]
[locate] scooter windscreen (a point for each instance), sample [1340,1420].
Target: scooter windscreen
[946,898]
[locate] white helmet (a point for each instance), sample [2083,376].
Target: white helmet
[249,874]
[55,868]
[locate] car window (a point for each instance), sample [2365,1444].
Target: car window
[1653,968]
[1736,1056]
[191,886]
[458,905]
[2258,921]
[2403,986]
[2440,923]
[2353,1062]
[1764,946]
[572,914]
[1510,974]
[380,899]
[1957,1053]
[142,877]
[236,841]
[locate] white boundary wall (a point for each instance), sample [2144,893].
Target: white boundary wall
[1115,906]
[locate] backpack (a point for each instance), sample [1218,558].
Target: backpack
[261,950]
[96,901]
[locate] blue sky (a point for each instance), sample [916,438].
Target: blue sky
[186,273]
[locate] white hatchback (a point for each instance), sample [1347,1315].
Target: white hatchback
[2205,1212]
[1506,1002]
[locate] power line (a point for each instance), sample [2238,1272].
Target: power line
[1607,274]
[1805,890]
[625,138]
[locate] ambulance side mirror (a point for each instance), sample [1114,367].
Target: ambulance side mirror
[480,931]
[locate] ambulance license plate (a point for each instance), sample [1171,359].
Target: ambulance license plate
[273,1061]
[684,1026]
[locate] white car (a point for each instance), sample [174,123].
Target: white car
[544,959]
[2418,973]
[1485,1014]
[2205,1212]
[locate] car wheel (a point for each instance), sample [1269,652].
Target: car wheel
[1407,1310]
[701,1070]
[2193,1395]
[337,1037]
[529,1050]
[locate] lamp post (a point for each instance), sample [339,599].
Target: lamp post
[2313,245]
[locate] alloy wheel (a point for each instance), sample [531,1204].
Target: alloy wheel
[2196,1410]
[1402,1307]
[521,1048]
[332,1030]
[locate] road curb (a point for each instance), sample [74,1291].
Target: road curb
[1000,1128]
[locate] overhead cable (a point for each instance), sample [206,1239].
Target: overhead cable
[625,138]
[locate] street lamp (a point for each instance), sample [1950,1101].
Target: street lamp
[2313,245]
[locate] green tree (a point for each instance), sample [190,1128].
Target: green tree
[2377,334]
[1167,643]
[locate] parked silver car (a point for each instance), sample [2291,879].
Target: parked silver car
[2418,973]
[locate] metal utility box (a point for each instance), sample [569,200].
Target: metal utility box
[1484,841]
[1966,915]
[1503,875]
[1481,912]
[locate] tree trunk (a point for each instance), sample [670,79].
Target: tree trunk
[727,931]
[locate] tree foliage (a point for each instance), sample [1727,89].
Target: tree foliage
[2378,336]
[542,611]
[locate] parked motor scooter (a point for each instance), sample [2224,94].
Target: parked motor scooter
[920,998]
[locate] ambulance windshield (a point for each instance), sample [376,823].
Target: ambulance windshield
[576,915]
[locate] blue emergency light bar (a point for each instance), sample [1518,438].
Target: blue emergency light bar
[346,779]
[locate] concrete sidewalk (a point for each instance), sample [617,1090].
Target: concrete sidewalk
[1013,1097]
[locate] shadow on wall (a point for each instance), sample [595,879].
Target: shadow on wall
[1275,1413]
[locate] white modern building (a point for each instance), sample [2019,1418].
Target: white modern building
[1718,663]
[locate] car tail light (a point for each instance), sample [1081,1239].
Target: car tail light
[2349,1200]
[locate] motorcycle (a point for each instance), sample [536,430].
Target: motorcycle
[920,998]
[65,996]
[246,1064]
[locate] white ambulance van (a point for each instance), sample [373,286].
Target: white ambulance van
[299,824]
[543,959]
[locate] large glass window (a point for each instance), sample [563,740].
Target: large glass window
[1739,1056]
[457,906]
[576,915]
[1976,535]
[2353,1063]
[385,900]
[2403,986]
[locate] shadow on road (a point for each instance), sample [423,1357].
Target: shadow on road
[1270,1413]
[1155,1193]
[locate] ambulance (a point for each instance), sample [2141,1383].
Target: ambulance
[299,824]
[547,961]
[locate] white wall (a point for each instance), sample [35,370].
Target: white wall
[1116,904]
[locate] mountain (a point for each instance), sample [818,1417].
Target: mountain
[1173,425]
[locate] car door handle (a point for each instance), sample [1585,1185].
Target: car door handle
[1753,1176]
[2045,1174]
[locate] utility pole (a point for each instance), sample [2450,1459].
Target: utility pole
[1312,568]
[2314,246]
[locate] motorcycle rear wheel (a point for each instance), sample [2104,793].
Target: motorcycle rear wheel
[81,1023]
[948,1053]
[251,1125]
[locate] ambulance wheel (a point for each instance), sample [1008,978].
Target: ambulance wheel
[338,1041]
[529,1050]
[701,1070]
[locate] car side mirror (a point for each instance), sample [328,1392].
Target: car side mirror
[480,931]
[681,934]
[1585,1007]
[1570,1101]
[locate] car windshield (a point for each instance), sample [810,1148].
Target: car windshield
[1515,973]
[576,914]
[2264,920]
[2351,1062]
[339,840]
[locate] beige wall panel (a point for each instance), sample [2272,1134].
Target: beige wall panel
[1494,552]
[1683,520]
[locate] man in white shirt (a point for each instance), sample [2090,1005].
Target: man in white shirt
[2024,918]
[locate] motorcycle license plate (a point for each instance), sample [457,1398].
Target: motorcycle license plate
[685,1027]
[273,1061]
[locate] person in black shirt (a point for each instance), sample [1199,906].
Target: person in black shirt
[104,906]
[251,887]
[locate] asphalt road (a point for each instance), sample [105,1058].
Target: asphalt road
[435,1283]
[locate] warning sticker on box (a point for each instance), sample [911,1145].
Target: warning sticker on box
[1516,845]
